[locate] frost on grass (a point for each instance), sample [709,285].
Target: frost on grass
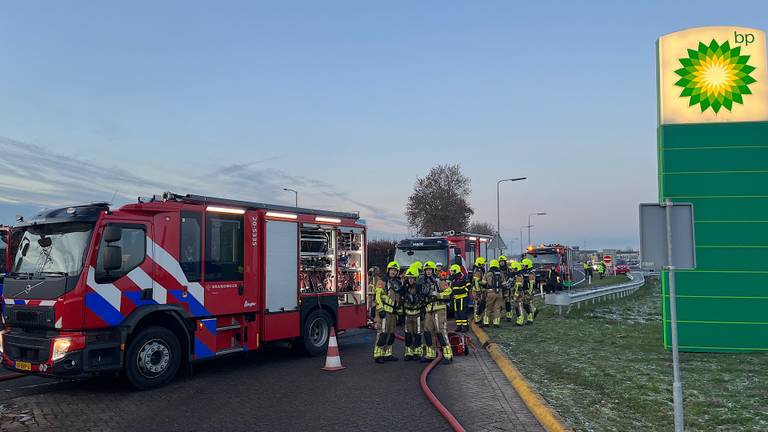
[603,369]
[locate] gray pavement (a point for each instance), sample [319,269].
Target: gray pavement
[276,390]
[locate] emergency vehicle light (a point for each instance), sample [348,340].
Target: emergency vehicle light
[484,240]
[473,238]
[282,215]
[327,219]
[224,210]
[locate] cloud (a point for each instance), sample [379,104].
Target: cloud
[32,176]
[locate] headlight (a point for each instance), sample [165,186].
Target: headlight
[60,348]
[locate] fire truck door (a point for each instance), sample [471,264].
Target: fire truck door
[224,263]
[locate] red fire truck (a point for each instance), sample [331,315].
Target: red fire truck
[444,247]
[552,256]
[149,287]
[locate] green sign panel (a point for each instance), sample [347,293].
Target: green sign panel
[713,153]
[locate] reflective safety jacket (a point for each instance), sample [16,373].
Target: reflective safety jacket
[438,299]
[494,281]
[529,280]
[412,303]
[388,295]
[459,286]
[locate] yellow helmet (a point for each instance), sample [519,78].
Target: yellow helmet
[417,265]
[515,265]
[480,261]
[455,269]
[494,264]
[502,258]
[430,265]
[412,272]
[393,265]
[527,263]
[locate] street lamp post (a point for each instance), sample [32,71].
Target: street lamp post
[498,212]
[521,240]
[529,224]
[295,193]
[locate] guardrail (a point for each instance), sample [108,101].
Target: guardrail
[570,298]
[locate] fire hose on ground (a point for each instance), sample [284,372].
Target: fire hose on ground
[447,415]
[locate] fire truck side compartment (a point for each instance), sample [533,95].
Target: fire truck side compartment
[281,268]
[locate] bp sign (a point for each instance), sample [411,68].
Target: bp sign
[713,153]
[713,74]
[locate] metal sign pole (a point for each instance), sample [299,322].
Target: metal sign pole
[677,388]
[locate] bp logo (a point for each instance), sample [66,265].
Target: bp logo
[715,76]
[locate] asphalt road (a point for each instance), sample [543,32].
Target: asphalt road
[273,390]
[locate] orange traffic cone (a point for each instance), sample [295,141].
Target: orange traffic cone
[332,357]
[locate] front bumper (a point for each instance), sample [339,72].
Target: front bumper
[30,352]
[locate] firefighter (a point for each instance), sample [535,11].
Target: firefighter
[601,269]
[494,286]
[506,273]
[412,306]
[436,300]
[529,280]
[387,298]
[515,282]
[478,289]
[518,289]
[440,267]
[554,282]
[459,291]
[374,277]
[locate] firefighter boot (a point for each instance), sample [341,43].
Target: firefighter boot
[447,354]
[378,354]
[520,317]
[388,354]
[486,321]
[531,315]
[497,322]
[408,354]
[429,354]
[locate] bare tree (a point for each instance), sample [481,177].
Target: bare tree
[481,228]
[439,201]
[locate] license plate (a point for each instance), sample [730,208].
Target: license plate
[22,365]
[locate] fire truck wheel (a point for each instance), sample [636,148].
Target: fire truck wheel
[153,358]
[316,331]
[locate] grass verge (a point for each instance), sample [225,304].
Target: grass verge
[603,369]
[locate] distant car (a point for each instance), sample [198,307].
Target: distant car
[622,269]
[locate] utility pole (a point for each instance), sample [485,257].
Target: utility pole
[498,211]
[529,224]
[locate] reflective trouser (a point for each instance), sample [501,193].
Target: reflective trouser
[493,302]
[413,331]
[519,305]
[530,309]
[385,335]
[436,328]
[460,311]
[508,304]
[479,306]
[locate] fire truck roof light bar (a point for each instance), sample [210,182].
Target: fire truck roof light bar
[224,210]
[281,215]
[327,219]
[257,206]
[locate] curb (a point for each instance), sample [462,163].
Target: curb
[544,413]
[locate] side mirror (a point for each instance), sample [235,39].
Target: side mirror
[112,234]
[113,258]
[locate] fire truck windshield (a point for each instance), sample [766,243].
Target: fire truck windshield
[545,259]
[406,257]
[52,249]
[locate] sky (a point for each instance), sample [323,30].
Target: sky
[347,102]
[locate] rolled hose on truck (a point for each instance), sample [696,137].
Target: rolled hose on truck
[447,415]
